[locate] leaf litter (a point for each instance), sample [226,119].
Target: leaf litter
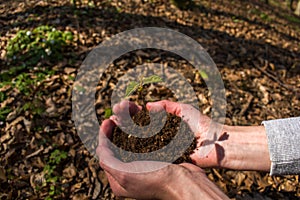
[255,49]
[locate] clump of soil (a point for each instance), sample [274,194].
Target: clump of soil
[140,148]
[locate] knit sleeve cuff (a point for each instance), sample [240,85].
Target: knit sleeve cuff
[284,145]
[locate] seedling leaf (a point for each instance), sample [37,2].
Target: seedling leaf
[132,87]
[152,79]
[203,75]
[108,113]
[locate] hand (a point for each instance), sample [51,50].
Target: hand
[184,181]
[238,147]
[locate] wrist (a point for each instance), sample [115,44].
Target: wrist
[246,148]
[172,189]
[190,185]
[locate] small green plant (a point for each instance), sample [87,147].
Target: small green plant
[51,178]
[264,16]
[138,86]
[134,86]
[43,42]
[203,74]
[35,107]
[2,96]
[107,113]
[7,75]
[4,112]
[25,82]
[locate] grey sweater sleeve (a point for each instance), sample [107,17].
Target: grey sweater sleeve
[284,145]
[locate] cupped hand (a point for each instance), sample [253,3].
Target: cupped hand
[236,147]
[184,181]
[123,110]
[199,125]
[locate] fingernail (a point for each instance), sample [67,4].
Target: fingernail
[149,105]
[114,119]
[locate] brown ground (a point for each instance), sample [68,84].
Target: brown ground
[255,47]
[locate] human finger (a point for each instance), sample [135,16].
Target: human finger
[188,113]
[126,106]
[107,128]
[105,133]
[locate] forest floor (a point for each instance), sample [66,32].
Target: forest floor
[255,46]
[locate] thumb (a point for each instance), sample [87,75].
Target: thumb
[188,113]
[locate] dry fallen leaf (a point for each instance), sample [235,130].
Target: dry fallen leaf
[2,174]
[70,171]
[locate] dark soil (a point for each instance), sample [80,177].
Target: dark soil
[145,145]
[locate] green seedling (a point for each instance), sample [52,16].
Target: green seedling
[108,113]
[203,74]
[4,112]
[35,107]
[2,96]
[134,86]
[138,86]
[55,159]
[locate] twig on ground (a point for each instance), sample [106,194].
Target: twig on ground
[274,78]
